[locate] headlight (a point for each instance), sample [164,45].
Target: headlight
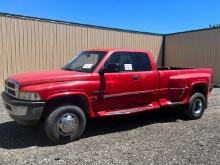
[28,96]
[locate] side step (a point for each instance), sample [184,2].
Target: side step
[154,105]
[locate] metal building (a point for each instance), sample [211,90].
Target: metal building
[198,48]
[30,43]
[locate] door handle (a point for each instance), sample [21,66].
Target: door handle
[136,77]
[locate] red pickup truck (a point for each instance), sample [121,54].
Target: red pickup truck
[103,82]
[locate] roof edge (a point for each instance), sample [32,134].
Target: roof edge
[191,31]
[19,16]
[75,24]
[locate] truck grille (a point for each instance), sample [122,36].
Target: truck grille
[11,87]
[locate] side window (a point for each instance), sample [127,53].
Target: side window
[123,59]
[130,61]
[141,62]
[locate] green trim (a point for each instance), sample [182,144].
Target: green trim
[191,31]
[75,24]
[98,27]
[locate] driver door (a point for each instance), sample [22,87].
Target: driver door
[120,89]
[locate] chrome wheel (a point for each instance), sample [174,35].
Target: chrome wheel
[67,124]
[197,107]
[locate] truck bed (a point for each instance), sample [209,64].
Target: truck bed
[173,68]
[174,82]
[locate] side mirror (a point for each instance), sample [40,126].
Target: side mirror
[112,67]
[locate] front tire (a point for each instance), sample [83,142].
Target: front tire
[65,123]
[196,107]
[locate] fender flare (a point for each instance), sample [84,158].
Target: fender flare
[197,83]
[63,94]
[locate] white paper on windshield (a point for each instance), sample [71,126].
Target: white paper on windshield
[87,66]
[128,67]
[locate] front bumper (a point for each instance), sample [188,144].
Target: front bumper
[21,109]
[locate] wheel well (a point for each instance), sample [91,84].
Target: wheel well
[201,88]
[77,100]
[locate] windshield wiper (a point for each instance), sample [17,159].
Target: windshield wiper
[66,69]
[77,70]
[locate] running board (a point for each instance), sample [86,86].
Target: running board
[154,105]
[165,102]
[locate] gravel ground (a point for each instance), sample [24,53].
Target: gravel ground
[159,137]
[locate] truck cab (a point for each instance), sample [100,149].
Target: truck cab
[102,82]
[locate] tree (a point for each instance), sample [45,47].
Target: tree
[214,26]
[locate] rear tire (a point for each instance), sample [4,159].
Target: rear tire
[195,108]
[65,123]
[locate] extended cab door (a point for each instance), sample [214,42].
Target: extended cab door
[149,79]
[120,90]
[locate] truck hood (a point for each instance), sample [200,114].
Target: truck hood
[31,78]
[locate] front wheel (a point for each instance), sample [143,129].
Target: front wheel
[65,123]
[196,106]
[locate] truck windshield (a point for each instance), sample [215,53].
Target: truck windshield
[86,61]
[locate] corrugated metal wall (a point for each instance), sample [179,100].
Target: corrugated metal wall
[28,44]
[194,49]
